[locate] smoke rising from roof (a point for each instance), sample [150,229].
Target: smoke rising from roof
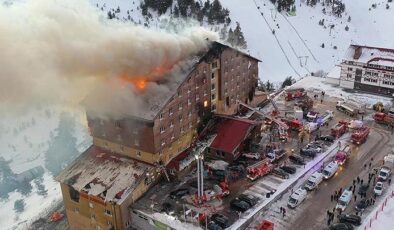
[62,50]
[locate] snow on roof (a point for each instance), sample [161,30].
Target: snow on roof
[335,73]
[106,175]
[370,55]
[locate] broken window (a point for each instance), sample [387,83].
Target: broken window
[74,194]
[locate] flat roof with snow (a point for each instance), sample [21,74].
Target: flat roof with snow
[106,175]
[370,55]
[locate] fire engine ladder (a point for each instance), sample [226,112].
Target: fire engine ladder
[278,122]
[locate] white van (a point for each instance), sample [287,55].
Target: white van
[296,198]
[330,170]
[313,181]
[344,200]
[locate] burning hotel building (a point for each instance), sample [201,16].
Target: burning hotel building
[129,154]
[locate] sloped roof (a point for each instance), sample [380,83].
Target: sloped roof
[370,55]
[106,175]
[230,134]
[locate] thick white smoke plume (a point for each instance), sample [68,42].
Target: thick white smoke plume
[61,50]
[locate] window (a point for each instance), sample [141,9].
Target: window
[138,153]
[213,96]
[162,129]
[205,93]
[179,93]
[180,118]
[161,116]
[170,111]
[213,107]
[171,124]
[348,75]
[350,69]
[107,212]
[189,102]
[197,97]
[91,205]
[190,113]
[74,194]
[163,142]
[76,210]
[212,75]
[182,130]
[172,136]
[109,223]
[213,86]
[214,65]
[93,216]
[205,103]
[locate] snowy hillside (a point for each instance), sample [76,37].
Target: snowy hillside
[295,49]
[24,143]
[301,35]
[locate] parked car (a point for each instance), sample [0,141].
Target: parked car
[350,218]
[378,189]
[341,226]
[384,173]
[280,173]
[308,152]
[214,226]
[363,189]
[179,193]
[329,139]
[297,159]
[255,156]
[361,205]
[250,199]
[239,205]
[220,220]
[289,169]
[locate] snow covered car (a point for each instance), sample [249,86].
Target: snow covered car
[250,199]
[255,156]
[308,152]
[378,189]
[389,158]
[239,205]
[220,220]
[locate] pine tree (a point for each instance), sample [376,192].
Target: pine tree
[176,12]
[239,38]
[62,149]
[287,82]
[230,37]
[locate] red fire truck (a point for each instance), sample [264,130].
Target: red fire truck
[342,155]
[294,93]
[360,135]
[383,118]
[294,124]
[259,169]
[339,129]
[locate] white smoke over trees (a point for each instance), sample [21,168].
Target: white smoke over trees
[62,50]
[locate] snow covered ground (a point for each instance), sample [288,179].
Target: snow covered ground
[24,140]
[384,218]
[317,84]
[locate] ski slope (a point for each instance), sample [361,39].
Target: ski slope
[301,35]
